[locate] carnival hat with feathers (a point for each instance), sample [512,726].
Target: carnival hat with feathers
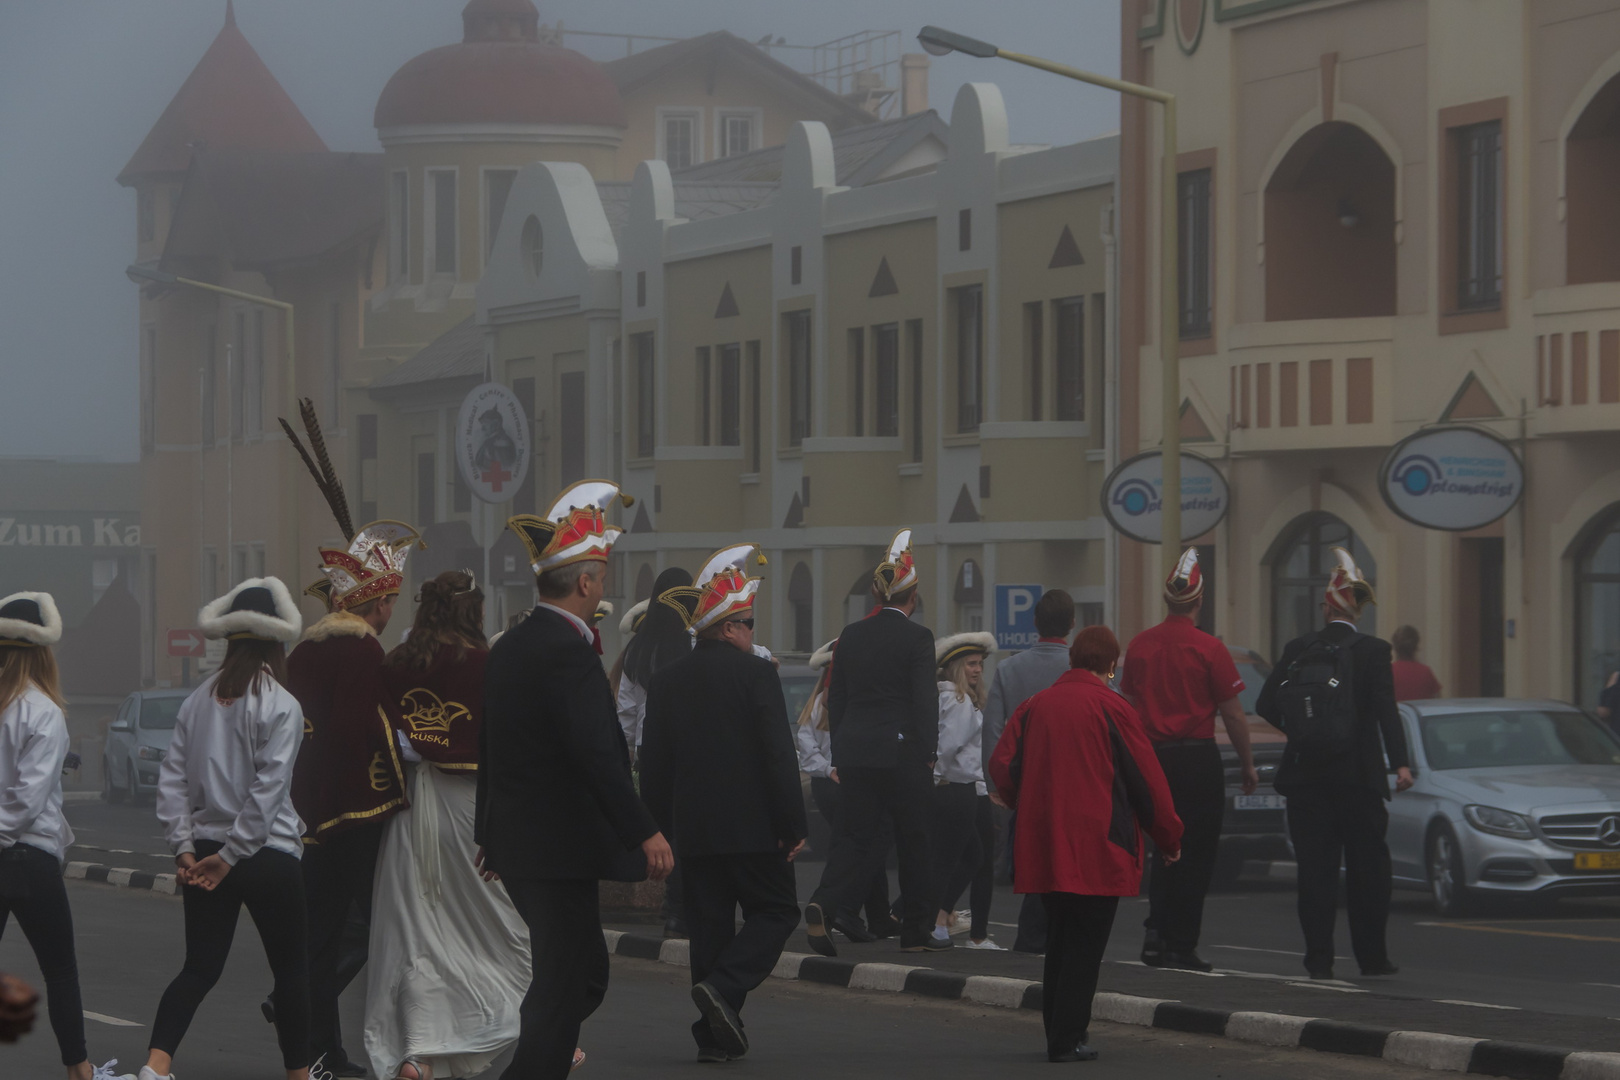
[1347,589]
[721,590]
[898,570]
[575,529]
[321,589]
[258,608]
[946,649]
[1186,582]
[604,608]
[822,656]
[632,618]
[29,620]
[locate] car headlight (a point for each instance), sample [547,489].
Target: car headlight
[1489,819]
[149,753]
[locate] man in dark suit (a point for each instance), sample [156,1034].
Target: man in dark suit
[717,756]
[557,810]
[883,713]
[1336,801]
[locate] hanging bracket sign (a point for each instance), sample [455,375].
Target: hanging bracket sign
[1454,478]
[492,443]
[1132,496]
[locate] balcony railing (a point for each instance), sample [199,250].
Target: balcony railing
[1577,359]
[1310,384]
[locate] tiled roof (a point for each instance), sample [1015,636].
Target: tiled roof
[694,201]
[456,353]
[860,154]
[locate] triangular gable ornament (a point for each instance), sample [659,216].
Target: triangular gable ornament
[1193,428]
[883,283]
[727,307]
[964,510]
[1067,252]
[1471,402]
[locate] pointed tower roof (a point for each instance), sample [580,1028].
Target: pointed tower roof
[230,100]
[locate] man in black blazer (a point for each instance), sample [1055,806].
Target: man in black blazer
[557,810]
[1336,804]
[717,756]
[883,713]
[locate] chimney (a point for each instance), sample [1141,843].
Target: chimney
[913,83]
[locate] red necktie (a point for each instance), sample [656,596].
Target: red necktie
[596,640]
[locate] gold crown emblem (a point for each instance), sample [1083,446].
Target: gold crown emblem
[426,711]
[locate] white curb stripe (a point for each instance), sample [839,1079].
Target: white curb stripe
[1125,1008]
[119,876]
[1430,1050]
[676,951]
[1587,1065]
[612,938]
[788,966]
[1268,1029]
[76,870]
[890,977]
[995,990]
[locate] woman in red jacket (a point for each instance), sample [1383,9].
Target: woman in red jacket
[1075,764]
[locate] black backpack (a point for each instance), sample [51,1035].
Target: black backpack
[1316,702]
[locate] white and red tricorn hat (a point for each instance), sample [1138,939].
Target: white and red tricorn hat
[898,570]
[1186,582]
[575,529]
[722,589]
[373,565]
[1347,589]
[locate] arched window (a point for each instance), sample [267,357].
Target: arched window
[802,597]
[969,596]
[1301,563]
[1597,606]
[1591,172]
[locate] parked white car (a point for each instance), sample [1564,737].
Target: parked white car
[137,741]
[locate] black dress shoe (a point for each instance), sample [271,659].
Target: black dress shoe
[1152,950]
[1081,1052]
[886,927]
[815,928]
[1186,961]
[852,929]
[710,1055]
[1386,968]
[724,1023]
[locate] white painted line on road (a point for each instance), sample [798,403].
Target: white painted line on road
[1520,933]
[1324,984]
[1476,1004]
[103,1018]
[1607,986]
[1254,948]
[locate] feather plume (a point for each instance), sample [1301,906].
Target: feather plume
[333,486]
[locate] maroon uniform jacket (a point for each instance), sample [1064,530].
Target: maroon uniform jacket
[441,709]
[348,771]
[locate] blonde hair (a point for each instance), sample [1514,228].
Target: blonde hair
[22,667]
[955,673]
[807,712]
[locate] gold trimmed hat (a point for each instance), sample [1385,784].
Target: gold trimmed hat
[1186,582]
[258,608]
[722,589]
[575,529]
[956,646]
[632,618]
[321,589]
[822,656]
[373,565]
[898,570]
[1347,589]
[29,620]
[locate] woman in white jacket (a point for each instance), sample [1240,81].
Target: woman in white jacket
[959,770]
[33,833]
[225,800]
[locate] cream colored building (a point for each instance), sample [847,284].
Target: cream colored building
[1395,213]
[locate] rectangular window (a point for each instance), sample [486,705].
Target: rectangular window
[427,483]
[523,499]
[1035,343]
[914,351]
[642,345]
[444,220]
[969,357]
[234,367]
[146,215]
[641,288]
[1479,216]
[367,425]
[798,372]
[149,362]
[796,264]
[571,426]
[1193,225]
[886,350]
[399,226]
[253,411]
[680,141]
[857,381]
[964,230]
[497,186]
[334,363]
[704,395]
[755,416]
[730,395]
[207,392]
[1069,319]
[736,134]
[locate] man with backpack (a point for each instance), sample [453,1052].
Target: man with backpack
[1333,695]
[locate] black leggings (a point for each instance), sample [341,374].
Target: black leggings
[271,884]
[983,880]
[31,888]
[958,847]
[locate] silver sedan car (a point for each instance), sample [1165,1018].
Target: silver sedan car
[1510,798]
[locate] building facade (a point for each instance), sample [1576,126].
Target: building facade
[1394,214]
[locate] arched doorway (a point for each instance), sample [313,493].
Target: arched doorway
[802,598]
[1330,228]
[1597,606]
[1591,175]
[1301,562]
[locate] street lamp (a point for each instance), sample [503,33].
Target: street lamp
[941,42]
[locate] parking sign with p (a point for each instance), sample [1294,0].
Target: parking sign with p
[1015,616]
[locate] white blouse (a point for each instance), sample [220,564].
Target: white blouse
[961,726]
[33,745]
[814,743]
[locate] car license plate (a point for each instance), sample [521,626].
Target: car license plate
[1598,860]
[1264,802]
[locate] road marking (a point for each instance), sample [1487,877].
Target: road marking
[103,1018]
[1476,1004]
[1606,986]
[1521,933]
[1323,984]
[1279,952]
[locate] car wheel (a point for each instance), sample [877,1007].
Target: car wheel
[109,791]
[1447,880]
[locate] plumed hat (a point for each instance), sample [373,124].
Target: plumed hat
[955,646]
[1347,589]
[574,529]
[29,619]
[1186,582]
[632,618]
[321,589]
[604,608]
[898,570]
[259,608]
[373,565]
[722,589]
[823,656]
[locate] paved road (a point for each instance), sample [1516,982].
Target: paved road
[129,947]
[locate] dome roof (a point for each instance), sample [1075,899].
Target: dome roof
[500,73]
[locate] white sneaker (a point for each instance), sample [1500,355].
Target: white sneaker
[105,1072]
[986,944]
[961,922]
[146,1073]
[941,934]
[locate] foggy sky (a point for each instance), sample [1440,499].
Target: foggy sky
[82,81]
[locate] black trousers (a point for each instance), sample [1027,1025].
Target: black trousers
[338,873]
[1076,935]
[1328,824]
[901,795]
[31,888]
[1031,936]
[983,880]
[958,847]
[271,887]
[1176,891]
[828,794]
[735,961]
[570,973]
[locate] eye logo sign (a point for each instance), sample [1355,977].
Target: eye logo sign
[1133,499]
[1454,478]
[1136,497]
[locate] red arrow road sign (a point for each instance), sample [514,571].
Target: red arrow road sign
[186,643]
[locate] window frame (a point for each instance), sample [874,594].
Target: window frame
[728,393]
[704,365]
[694,117]
[753,117]
[1479,168]
[856,346]
[968,321]
[1195,252]
[1453,319]
[1065,406]
[914,343]
[643,348]
[491,228]
[799,361]
[430,224]
[886,380]
[756,419]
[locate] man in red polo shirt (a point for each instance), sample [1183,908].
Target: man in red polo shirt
[1179,678]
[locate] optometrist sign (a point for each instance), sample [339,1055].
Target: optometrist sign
[492,443]
[1132,496]
[1453,478]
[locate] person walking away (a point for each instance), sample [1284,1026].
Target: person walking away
[449,954]
[1078,768]
[883,711]
[958,848]
[225,801]
[1414,680]
[1018,678]
[718,761]
[557,809]
[1333,695]
[1179,679]
[34,834]
[815,761]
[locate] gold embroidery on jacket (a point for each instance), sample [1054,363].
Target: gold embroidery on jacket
[425,711]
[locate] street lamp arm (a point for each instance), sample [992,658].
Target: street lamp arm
[1119,85]
[237,293]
